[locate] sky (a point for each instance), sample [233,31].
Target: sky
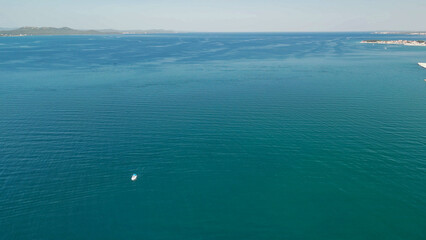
[218,15]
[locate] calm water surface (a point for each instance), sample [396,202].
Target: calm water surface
[233,136]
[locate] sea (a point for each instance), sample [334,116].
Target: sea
[232,135]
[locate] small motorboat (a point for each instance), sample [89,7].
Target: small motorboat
[422,64]
[134,177]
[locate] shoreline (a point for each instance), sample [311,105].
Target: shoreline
[420,43]
[400,33]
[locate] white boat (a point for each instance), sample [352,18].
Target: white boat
[422,65]
[134,177]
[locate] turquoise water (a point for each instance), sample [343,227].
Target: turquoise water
[233,136]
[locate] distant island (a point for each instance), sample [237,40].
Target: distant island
[402,33]
[46,31]
[398,42]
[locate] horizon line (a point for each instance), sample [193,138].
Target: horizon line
[199,31]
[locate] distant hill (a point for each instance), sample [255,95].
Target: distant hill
[49,31]
[31,31]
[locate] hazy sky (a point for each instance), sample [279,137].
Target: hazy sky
[218,15]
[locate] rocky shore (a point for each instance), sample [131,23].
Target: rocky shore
[398,42]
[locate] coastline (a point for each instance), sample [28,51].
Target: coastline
[400,33]
[398,42]
[66,31]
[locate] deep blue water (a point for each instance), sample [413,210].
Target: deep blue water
[233,136]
